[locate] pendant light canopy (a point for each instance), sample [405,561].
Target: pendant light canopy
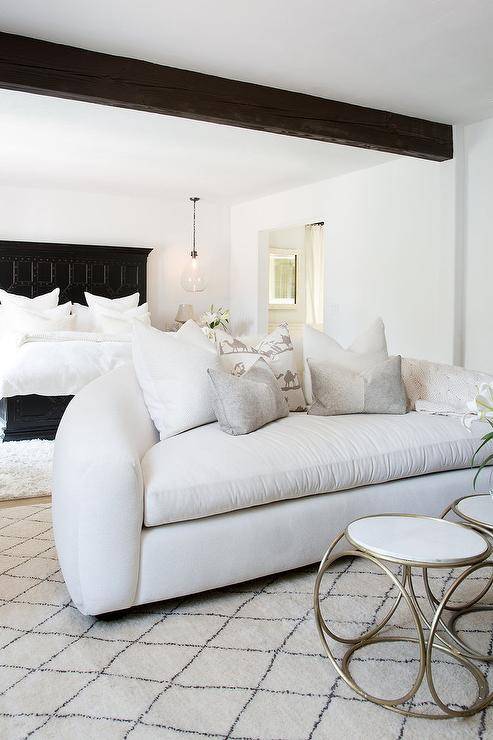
[192,278]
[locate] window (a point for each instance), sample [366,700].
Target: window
[283,278]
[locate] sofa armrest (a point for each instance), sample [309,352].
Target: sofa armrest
[98,491]
[447,386]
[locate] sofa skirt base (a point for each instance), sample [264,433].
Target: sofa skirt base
[203,554]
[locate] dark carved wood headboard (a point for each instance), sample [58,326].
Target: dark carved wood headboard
[33,268]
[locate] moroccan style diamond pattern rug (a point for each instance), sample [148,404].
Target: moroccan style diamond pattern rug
[243,662]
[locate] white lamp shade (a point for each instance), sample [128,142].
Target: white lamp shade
[184,313]
[192,278]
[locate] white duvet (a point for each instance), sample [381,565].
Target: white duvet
[58,363]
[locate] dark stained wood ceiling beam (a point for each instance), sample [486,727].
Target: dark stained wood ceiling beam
[45,68]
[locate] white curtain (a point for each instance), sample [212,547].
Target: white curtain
[315,274]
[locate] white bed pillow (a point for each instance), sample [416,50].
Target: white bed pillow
[172,372]
[366,351]
[26,321]
[83,318]
[39,303]
[115,304]
[120,322]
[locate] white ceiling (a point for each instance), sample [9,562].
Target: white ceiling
[61,143]
[428,58]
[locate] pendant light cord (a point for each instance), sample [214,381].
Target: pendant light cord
[194,251]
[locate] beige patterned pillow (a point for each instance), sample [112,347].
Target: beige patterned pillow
[276,349]
[447,387]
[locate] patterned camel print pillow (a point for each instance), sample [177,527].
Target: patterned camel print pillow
[276,349]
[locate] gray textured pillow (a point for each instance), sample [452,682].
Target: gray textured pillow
[245,403]
[339,390]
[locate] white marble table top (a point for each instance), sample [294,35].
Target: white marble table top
[416,539]
[477,509]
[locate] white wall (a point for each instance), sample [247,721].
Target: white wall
[291,238]
[478,305]
[390,240]
[34,214]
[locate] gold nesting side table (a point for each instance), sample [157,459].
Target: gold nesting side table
[415,543]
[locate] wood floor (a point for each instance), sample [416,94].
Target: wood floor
[25,501]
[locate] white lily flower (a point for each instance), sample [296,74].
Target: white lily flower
[208,317]
[215,317]
[484,401]
[481,407]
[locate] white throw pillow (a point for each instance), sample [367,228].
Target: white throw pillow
[39,303]
[367,350]
[116,304]
[276,349]
[20,319]
[84,319]
[172,372]
[120,322]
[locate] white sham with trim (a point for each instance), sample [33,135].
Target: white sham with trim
[109,321]
[86,317]
[39,303]
[18,319]
[116,304]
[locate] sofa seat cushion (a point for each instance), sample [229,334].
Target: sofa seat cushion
[204,472]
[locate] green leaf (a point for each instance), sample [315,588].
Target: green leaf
[483,465]
[486,439]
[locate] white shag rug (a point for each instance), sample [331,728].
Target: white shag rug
[25,469]
[239,663]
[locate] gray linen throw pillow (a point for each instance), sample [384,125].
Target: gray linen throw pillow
[339,390]
[246,403]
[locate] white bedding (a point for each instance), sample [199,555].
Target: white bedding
[58,363]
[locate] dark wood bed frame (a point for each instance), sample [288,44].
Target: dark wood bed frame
[32,268]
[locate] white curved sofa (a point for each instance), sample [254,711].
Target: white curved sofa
[137,520]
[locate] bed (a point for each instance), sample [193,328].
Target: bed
[33,402]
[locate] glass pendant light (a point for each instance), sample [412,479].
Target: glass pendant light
[192,277]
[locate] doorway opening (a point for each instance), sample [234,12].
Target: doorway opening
[296,277]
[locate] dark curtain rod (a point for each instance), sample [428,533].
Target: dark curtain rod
[318,223]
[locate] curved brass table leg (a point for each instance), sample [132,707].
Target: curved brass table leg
[484,698]
[470,606]
[434,602]
[324,566]
[368,638]
[424,618]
